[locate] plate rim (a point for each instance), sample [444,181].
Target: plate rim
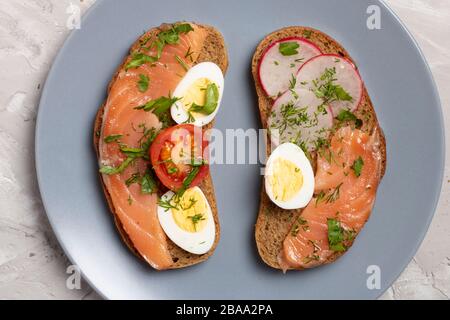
[395,275]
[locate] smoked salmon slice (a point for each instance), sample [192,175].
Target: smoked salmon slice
[347,178]
[136,211]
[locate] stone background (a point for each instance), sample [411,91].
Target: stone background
[32,265]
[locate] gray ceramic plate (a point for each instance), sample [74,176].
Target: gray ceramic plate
[399,83]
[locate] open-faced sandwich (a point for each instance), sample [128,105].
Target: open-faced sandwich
[151,147]
[327,152]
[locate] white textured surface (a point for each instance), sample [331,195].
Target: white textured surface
[32,265]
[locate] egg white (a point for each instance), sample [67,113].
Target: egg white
[208,70]
[197,243]
[295,154]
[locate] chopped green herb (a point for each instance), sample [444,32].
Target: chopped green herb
[148,183]
[348,116]
[191,118]
[198,162]
[171,36]
[338,236]
[138,59]
[196,220]
[291,117]
[358,166]
[320,197]
[149,135]
[300,223]
[167,204]
[159,106]
[289,48]
[292,82]
[182,63]
[295,230]
[188,181]
[132,152]
[189,54]
[143,83]
[192,203]
[326,89]
[321,143]
[334,195]
[335,235]
[108,170]
[183,28]
[316,248]
[135,178]
[311,258]
[211,103]
[190,178]
[113,138]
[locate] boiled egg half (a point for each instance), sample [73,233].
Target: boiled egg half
[289,177]
[188,220]
[200,95]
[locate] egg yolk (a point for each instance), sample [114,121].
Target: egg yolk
[191,212]
[286,180]
[196,93]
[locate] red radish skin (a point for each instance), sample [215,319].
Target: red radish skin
[356,91]
[304,132]
[274,79]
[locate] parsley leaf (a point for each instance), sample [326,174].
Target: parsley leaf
[335,235]
[158,106]
[143,83]
[358,166]
[183,28]
[148,183]
[211,103]
[347,115]
[341,94]
[171,36]
[289,48]
[138,59]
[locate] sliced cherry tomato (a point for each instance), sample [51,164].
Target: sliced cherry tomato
[177,154]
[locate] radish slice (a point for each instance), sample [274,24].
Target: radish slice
[312,76]
[301,118]
[276,69]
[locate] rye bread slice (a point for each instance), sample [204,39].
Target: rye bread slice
[273,223]
[214,50]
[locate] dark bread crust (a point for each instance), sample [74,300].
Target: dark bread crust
[214,50]
[274,224]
